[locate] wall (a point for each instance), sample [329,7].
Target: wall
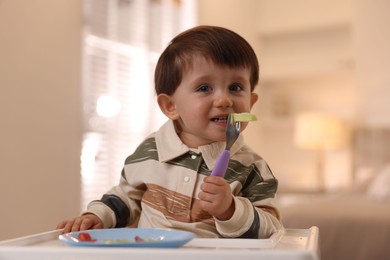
[40,47]
[236,15]
[373,62]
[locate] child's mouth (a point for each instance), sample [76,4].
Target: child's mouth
[219,119]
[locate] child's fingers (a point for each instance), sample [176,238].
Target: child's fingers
[208,188]
[61,225]
[204,196]
[215,180]
[97,226]
[89,222]
[67,226]
[85,224]
[76,225]
[214,188]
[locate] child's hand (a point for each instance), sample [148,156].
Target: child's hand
[216,198]
[84,222]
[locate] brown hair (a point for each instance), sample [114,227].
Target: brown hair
[220,45]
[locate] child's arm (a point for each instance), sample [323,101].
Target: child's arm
[237,216]
[83,222]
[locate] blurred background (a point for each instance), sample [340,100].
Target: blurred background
[76,80]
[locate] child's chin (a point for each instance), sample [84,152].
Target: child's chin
[220,139]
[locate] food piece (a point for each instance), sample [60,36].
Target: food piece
[138,239]
[115,241]
[244,117]
[85,237]
[147,239]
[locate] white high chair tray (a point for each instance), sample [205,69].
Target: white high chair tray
[289,244]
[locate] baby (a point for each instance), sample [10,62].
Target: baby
[204,74]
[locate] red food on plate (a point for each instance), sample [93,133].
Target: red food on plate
[138,239]
[85,237]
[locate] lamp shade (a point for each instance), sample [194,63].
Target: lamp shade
[320,131]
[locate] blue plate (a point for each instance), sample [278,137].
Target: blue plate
[125,237]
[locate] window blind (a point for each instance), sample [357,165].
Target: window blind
[121,44]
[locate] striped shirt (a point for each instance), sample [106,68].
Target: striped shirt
[160,183]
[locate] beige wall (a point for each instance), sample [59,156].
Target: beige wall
[373,61]
[40,114]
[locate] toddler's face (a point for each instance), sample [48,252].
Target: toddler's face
[205,97]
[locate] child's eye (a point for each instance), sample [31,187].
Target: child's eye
[235,87]
[204,88]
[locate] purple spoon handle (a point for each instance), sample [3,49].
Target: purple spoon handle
[221,164]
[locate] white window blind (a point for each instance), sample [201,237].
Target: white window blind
[122,42]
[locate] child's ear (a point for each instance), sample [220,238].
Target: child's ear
[254,98]
[167,106]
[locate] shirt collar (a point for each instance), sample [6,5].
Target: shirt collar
[169,146]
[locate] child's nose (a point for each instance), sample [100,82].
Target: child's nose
[223,101]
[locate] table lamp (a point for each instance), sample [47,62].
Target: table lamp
[320,132]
